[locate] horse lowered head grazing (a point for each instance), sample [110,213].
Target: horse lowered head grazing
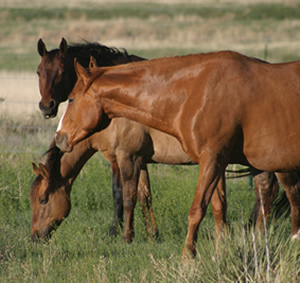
[223,107]
[51,189]
[50,205]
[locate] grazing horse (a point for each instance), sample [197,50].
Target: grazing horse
[223,108]
[57,78]
[50,191]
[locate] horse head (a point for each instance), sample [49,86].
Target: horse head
[53,83]
[75,124]
[50,201]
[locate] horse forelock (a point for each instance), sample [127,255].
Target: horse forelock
[34,186]
[52,54]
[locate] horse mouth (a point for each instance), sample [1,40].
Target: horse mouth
[44,234]
[49,114]
[37,238]
[49,111]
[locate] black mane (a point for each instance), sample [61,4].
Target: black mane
[54,155]
[96,50]
[105,56]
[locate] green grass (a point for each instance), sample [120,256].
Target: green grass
[81,249]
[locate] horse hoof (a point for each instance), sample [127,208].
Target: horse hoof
[296,237]
[127,240]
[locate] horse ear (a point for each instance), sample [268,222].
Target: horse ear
[63,47]
[81,72]
[41,47]
[93,63]
[35,169]
[43,171]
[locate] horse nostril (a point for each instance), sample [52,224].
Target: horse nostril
[52,104]
[41,106]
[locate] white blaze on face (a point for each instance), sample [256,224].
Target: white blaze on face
[60,122]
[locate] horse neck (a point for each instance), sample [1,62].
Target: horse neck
[142,96]
[64,167]
[72,162]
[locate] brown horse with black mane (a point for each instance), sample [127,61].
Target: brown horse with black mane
[223,107]
[56,69]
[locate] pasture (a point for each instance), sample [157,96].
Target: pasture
[81,249]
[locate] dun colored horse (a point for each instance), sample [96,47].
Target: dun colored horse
[50,192]
[223,108]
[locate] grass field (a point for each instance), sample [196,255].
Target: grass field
[81,250]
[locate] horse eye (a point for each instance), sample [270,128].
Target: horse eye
[44,200]
[38,73]
[71,100]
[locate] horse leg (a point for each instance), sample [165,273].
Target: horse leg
[267,187]
[130,171]
[291,185]
[219,207]
[145,200]
[210,172]
[118,200]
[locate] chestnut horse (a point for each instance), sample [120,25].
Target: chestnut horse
[57,77]
[223,107]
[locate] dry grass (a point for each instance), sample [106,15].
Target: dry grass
[157,35]
[19,94]
[80,3]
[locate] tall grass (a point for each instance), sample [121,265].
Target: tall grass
[81,249]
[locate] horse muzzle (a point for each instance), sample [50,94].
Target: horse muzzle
[49,111]
[37,235]
[61,141]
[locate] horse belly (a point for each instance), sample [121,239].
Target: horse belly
[167,149]
[279,152]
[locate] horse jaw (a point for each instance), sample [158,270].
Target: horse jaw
[65,141]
